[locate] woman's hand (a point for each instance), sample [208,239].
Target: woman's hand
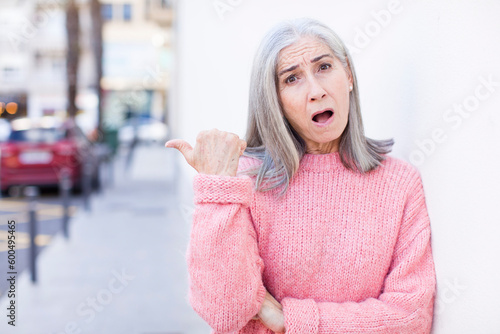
[216,152]
[271,314]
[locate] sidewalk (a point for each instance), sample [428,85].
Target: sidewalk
[123,269]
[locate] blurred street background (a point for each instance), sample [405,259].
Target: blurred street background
[122,269]
[99,239]
[90,90]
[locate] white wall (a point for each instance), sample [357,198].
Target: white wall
[430,59]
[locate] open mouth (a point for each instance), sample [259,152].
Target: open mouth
[322,117]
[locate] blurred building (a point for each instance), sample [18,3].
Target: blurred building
[15,58]
[137,59]
[33,61]
[47,77]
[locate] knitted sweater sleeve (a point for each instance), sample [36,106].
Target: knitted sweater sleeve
[225,269]
[405,305]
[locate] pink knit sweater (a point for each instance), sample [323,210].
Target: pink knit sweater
[342,252]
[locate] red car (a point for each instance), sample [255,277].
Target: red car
[37,154]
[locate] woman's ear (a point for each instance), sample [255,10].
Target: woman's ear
[348,71]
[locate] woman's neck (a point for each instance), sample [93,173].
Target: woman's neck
[322,148]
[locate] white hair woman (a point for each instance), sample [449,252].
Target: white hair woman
[307,226]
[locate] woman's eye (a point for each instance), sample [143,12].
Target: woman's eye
[291,79]
[325,66]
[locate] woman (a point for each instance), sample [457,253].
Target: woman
[315,229]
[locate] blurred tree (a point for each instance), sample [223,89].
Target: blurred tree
[97,22]
[73,54]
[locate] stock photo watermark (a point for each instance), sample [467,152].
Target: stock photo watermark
[448,293]
[380,20]
[186,212]
[222,7]
[87,310]
[154,75]
[453,117]
[30,28]
[11,265]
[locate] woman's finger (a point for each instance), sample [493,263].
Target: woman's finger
[183,147]
[243,146]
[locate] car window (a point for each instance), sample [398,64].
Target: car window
[37,135]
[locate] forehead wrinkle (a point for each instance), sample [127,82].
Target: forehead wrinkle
[299,52]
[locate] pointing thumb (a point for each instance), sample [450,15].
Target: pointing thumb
[183,147]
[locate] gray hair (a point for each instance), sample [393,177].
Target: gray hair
[270,137]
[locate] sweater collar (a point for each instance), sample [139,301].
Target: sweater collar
[321,162]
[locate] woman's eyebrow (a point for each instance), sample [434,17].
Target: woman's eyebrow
[318,58]
[294,67]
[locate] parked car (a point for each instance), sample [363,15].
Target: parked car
[36,153]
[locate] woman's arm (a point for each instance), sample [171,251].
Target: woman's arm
[405,304]
[225,269]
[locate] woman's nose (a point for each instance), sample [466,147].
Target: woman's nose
[316,90]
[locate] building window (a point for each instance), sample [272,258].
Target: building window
[127,12]
[107,12]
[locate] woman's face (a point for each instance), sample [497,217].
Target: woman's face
[314,93]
